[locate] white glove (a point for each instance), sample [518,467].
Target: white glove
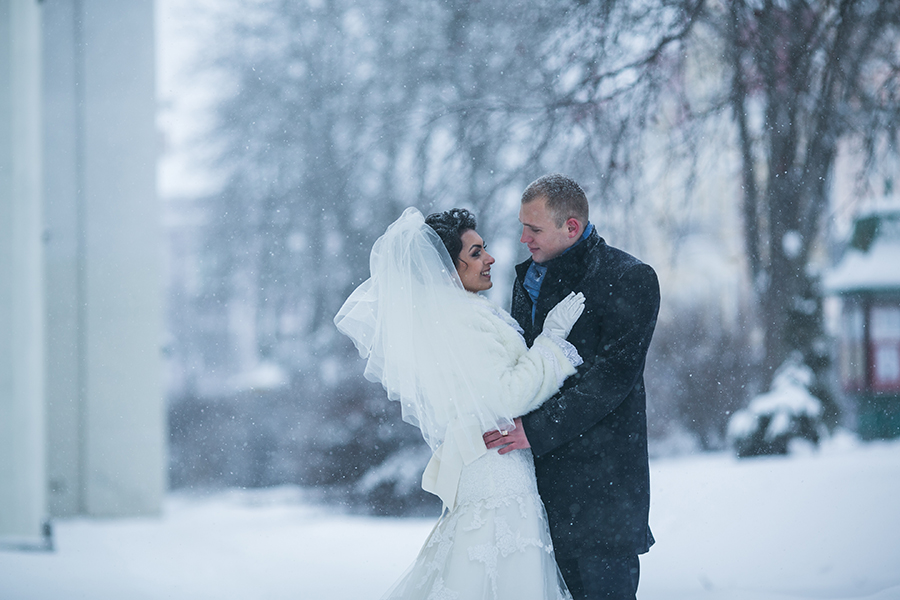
[562,317]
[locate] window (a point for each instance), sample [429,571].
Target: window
[853,350]
[885,347]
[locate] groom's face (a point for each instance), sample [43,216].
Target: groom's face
[544,239]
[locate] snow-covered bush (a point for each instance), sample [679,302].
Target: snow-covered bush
[772,420]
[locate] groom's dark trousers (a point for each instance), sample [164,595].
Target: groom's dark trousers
[596,578]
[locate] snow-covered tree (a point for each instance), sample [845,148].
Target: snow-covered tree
[773,421]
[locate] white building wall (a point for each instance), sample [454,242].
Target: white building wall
[106,415]
[82,416]
[22,481]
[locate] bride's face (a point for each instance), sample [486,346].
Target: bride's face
[474,263]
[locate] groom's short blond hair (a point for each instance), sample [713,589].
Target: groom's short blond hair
[565,198]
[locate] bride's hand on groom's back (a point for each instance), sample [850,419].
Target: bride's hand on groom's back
[514,439]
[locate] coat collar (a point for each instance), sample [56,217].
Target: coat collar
[567,262]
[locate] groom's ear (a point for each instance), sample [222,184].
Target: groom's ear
[573,228]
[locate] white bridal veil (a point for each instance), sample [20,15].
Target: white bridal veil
[413,322]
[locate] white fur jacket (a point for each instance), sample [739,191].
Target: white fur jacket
[520,380]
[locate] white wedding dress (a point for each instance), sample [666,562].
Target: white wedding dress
[459,367]
[495,544]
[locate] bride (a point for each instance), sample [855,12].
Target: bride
[459,366]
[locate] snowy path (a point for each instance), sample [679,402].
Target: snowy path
[823,525]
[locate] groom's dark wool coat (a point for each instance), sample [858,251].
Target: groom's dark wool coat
[590,439]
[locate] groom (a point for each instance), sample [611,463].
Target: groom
[590,439]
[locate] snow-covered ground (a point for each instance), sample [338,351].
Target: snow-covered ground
[816,525]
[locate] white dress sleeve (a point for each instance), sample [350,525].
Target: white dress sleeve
[507,380]
[523,377]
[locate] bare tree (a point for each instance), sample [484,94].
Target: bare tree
[800,77]
[334,116]
[805,75]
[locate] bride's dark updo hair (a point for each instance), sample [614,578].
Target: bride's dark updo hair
[450,225]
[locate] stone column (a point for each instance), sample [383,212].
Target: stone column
[105,409]
[23,507]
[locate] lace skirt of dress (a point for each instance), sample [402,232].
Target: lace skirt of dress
[495,545]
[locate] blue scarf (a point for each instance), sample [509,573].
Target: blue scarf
[534,277]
